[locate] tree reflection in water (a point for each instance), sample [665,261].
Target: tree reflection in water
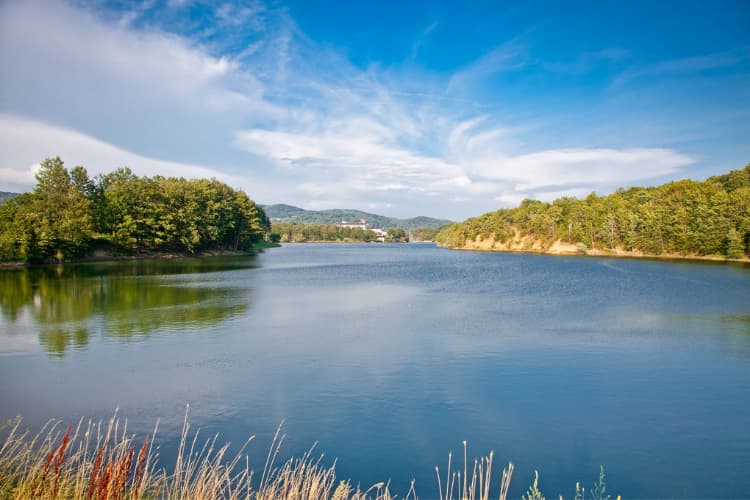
[126,300]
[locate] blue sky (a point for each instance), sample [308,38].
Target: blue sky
[400,108]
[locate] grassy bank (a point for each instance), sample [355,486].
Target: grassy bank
[102,460]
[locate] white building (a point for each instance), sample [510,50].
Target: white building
[361,225]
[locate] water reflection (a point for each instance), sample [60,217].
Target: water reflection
[68,305]
[56,341]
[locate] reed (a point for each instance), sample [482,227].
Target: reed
[102,461]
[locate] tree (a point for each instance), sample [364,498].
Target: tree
[61,210]
[734,244]
[396,234]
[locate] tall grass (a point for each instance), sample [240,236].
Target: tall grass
[102,461]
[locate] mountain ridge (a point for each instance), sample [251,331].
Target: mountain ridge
[7,195]
[282,212]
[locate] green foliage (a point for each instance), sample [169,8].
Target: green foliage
[396,234]
[424,233]
[54,221]
[599,491]
[533,492]
[735,247]
[285,232]
[680,218]
[68,210]
[735,179]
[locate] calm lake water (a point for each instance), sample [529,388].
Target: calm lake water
[388,356]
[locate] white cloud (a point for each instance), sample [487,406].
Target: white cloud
[509,56]
[682,66]
[26,142]
[482,154]
[576,166]
[141,89]
[362,158]
[78,53]
[509,198]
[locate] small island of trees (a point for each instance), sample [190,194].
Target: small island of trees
[69,215]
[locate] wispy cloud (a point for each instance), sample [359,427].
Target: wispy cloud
[25,142]
[482,154]
[588,61]
[95,62]
[684,66]
[510,56]
[417,45]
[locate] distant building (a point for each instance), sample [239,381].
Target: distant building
[379,233]
[361,225]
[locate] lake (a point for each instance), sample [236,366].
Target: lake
[388,356]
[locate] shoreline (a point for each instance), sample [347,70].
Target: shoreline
[353,242]
[99,257]
[606,254]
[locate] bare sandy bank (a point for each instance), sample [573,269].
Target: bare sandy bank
[528,244]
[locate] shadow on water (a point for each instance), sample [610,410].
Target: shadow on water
[123,300]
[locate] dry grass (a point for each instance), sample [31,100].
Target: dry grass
[476,488]
[102,461]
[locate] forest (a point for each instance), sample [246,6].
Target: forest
[70,215]
[285,232]
[685,218]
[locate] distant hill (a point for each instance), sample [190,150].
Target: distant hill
[5,196]
[289,213]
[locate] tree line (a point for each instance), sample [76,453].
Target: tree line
[287,232]
[684,217]
[425,233]
[69,215]
[292,232]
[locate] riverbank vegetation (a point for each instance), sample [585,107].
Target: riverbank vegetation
[285,232]
[425,233]
[682,218]
[69,215]
[103,461]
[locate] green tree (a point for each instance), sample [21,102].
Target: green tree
[734,244]
[396,234]
[61,210]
